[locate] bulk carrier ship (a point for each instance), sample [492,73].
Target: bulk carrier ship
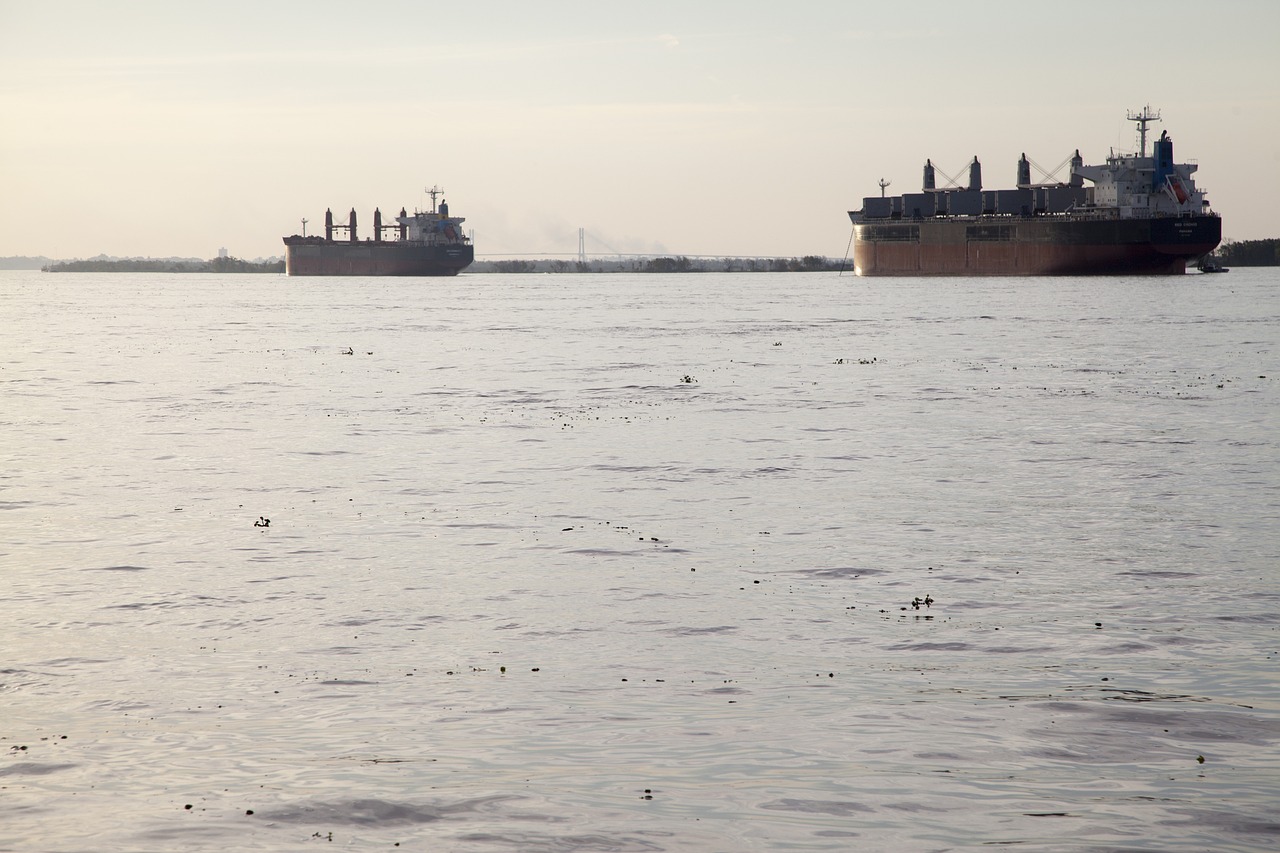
[426,243]
[1142,215]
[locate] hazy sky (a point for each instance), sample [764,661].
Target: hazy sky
[695,127]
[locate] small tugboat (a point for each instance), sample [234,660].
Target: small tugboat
[1210,264]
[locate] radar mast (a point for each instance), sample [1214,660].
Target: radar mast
[433,192]
[1142,118]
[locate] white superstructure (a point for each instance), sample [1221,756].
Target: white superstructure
[1141,187]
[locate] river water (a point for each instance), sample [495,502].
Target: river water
[631,563]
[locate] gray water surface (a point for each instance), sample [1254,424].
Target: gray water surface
[628,563]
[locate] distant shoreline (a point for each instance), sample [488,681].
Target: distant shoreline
[216,265]
[1242,253]
[658,264]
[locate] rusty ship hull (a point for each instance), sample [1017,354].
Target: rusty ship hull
[316,256]
[1033,246]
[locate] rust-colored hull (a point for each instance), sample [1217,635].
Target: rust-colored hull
[1032,246]
[313,256]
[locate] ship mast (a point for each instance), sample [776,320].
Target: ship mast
[433,192]
[883,184]
[1142,118]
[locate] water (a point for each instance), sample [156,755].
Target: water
[628,563]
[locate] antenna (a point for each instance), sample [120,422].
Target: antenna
[883,184]
[433,192]
[1142,118]
[304,227]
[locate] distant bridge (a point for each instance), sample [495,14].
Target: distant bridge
[582,255]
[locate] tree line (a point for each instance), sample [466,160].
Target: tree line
[679,263]
[219,265]
[1249,253]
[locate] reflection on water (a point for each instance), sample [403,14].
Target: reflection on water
[639,563]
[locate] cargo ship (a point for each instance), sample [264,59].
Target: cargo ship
[1142,215]
[424,243]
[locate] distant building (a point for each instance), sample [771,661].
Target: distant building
[222,253]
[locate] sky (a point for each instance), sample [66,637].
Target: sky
[699,127]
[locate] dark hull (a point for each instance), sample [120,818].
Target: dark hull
[1032,245]
[314,257]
